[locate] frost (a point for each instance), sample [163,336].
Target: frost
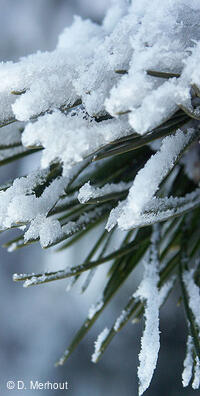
[98,344]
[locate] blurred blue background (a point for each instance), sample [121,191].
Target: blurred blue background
[38,323]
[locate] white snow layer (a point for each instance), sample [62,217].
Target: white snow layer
[134,37]
[137,37]
[102,70]
[71,138]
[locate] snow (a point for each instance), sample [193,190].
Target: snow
[163,293]
[148,292]
[162,209]
[119,320]
[87,191]
[46,229]
[159,36]
[98,344]
[11,134]
[162,30]
[147,181]
[76,137]
[40,73]
[188,363]
[194,304]
[193,294]
[94,309]
[33,281]
[63,358]
[60,95]
[133,37]
[165,290]
[196,380]
[19,204]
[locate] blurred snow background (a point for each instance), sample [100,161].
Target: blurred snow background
[38,323]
